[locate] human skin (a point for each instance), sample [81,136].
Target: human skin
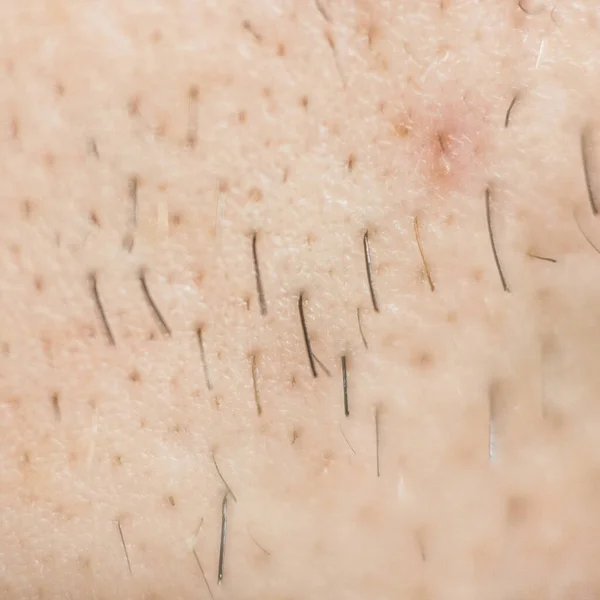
[163,138]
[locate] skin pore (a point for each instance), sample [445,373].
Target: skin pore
[331,260]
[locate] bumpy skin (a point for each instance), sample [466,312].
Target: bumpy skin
[163,135]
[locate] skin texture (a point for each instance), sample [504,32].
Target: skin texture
[162,138]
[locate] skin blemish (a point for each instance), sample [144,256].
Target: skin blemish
[281,49]
[38,282]
[94,218]
[134,376]
[242,117]
[304,101]
[517,509]
[447,139]
[171,500]
[133,106]
[117,460]
[422,360]
[59,88]
[255,195]
[5,349]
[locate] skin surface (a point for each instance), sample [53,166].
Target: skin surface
[162,138]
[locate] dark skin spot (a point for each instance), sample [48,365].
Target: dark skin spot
[117,460]
[171,500]
[295,435]
[156,36]
[281,49]
[59,88]
[477,275]
[38,282]
[49,160]
[517,509]
[26,458]
[255,195]
[134,376]
[422,360]
[133,106]
[5,347]
[175,220]
[241,116]
[304,102]
[94,218]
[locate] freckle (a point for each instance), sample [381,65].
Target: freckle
[223,186]
[217,400]
[15,250]
[163,187]
[60,89]
[247,302]
[451,317]
[49,160]
[117,461]
[174,383]
[14,401]
[267,93]
[157,36]
[57,239]
[133,106]
[161,129]
[304,102]
[199,278]
[5,349]
[255,195]
[134,376]
[449,219]
[171,501]
[286,174]
[477,275]
[152,336]
[241,116]
[94,218]
[193,92]
[175,220]
[293,381]
[516,510]
[220,355]
[401,129]
[280,49]
[26,458]
[422,360]
[311,238]
[142,423]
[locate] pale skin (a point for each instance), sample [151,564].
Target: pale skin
[179,178]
